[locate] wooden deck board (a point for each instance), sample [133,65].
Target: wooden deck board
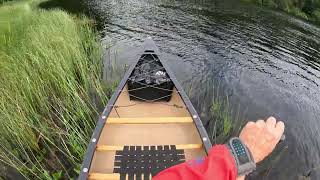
[149,134]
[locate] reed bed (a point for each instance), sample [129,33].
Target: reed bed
[50,90]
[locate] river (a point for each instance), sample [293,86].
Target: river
[265,61]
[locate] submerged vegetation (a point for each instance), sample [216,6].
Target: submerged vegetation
[226,122]
[50,90]
[307,9]
[221,119]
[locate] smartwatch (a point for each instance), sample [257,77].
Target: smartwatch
[242,155]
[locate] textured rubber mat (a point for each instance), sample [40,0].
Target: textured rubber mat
[135,162]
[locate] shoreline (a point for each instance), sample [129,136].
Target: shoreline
[308,11]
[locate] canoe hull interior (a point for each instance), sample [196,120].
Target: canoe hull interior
[135,139]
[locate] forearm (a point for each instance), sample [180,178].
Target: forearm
[241,177]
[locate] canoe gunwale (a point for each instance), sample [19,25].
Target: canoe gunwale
[85,168]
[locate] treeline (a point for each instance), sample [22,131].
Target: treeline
[308,9]
[2,1]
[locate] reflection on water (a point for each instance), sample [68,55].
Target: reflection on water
[267,62]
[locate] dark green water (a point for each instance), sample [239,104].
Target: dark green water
[266,62]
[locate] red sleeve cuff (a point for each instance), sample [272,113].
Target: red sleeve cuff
[223,154]
[218,165]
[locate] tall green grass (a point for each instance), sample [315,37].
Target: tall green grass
[50,84]
[221,118]
[226,120]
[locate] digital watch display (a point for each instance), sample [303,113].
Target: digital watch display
[244,160]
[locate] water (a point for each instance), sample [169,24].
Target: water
[266,62]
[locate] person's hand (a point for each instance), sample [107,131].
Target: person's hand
[261,137]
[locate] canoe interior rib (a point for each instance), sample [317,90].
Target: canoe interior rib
[157,123]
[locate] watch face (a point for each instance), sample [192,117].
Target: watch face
[240,151]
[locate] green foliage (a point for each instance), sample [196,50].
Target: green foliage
[295,11]
[50,67]
[221,113]
[57,175]
[307,9]
[270,3]
[2,1]
[309,6]
[316,14]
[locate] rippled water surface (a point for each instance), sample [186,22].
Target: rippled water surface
[265,61]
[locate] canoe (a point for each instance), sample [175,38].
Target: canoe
[145,127]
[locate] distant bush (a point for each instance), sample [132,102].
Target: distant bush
[316,15]
[2,1]
[307,9]
[270,3]
[297,12]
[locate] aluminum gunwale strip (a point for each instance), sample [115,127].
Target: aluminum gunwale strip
[100,124]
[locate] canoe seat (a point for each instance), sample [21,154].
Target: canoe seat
[119,148]
[150,120]
[143,162]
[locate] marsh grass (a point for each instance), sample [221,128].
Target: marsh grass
[50,83]
[226,120]
[220,118]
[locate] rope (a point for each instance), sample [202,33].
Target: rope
[172,105]
[153,100]
[148,85]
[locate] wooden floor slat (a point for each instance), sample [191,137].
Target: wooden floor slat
[150,120]
[149,134]
[120,147]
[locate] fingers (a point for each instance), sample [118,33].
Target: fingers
[260,123]
[250,124]
[271,122]
[279,130]
[261,137]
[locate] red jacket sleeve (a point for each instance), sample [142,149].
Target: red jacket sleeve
[218,165]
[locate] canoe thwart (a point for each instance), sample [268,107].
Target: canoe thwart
[150,120]
[119,147]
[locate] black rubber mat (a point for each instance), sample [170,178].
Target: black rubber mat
[135,161]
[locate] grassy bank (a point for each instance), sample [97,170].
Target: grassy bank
[50,84]
[307,9]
